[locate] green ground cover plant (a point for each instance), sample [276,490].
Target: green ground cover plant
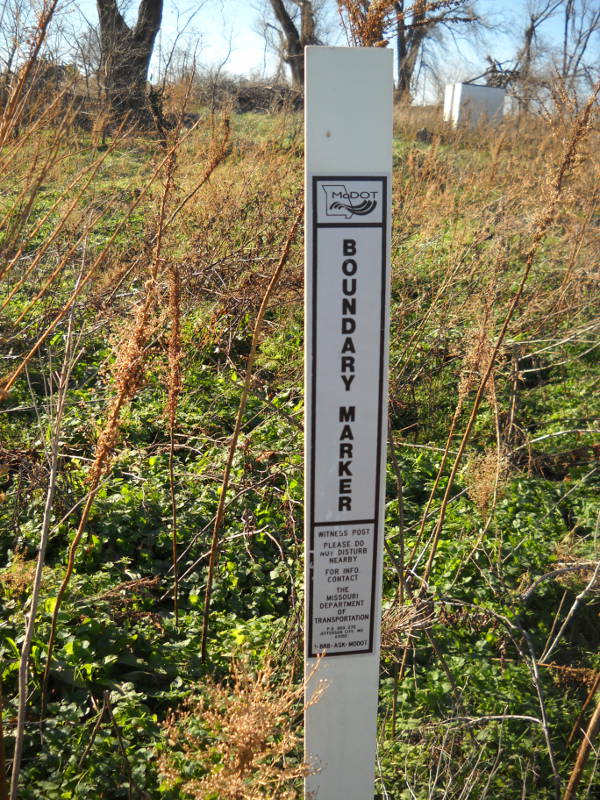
[151,471]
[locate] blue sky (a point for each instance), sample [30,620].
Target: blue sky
[223,30]
[227,32]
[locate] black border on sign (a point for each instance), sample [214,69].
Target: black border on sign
[312,523]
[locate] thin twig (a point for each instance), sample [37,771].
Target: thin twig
[572,611]
[580,129]
[10,380]
[400,501]
[37,582]
[93,734]
[489,718]
[10,115]
[48,240]
[238,425]
[3,781]
[588,700]
[555,433]
[582,754]
[537,682]
[129,377]
[555,572]
[174,391]
[123,750]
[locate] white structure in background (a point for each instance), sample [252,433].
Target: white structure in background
[469,103]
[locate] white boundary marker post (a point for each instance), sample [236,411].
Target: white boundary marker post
[348,124]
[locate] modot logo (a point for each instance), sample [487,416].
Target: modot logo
[343,203]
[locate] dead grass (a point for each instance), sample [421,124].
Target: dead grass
[239,740]
[479,225]
[16,579]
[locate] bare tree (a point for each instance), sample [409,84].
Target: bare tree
[581,27]
[296,27]
[418,24]
[537,14]
[16,16]
[540,58]
[86,55]
[126,53]
[414,25]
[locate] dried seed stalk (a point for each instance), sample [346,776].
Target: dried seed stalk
[569,159]
[238,425]
[587,743]
[129,378]
[92,271]
[130,370]
[37,581]
[175,355]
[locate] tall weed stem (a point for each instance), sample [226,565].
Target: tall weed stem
[214,547]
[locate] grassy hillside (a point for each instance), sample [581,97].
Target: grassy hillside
[151,433]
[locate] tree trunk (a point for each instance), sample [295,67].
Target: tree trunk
[401,87]
[568,12]
[409,40]
[294,58]
[296,39]
[125,55]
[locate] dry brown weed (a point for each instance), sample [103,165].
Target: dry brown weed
[486,474]
[17,578]
[239,740]
[400,622]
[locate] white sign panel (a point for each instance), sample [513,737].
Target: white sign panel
[349,233]
[348,130]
